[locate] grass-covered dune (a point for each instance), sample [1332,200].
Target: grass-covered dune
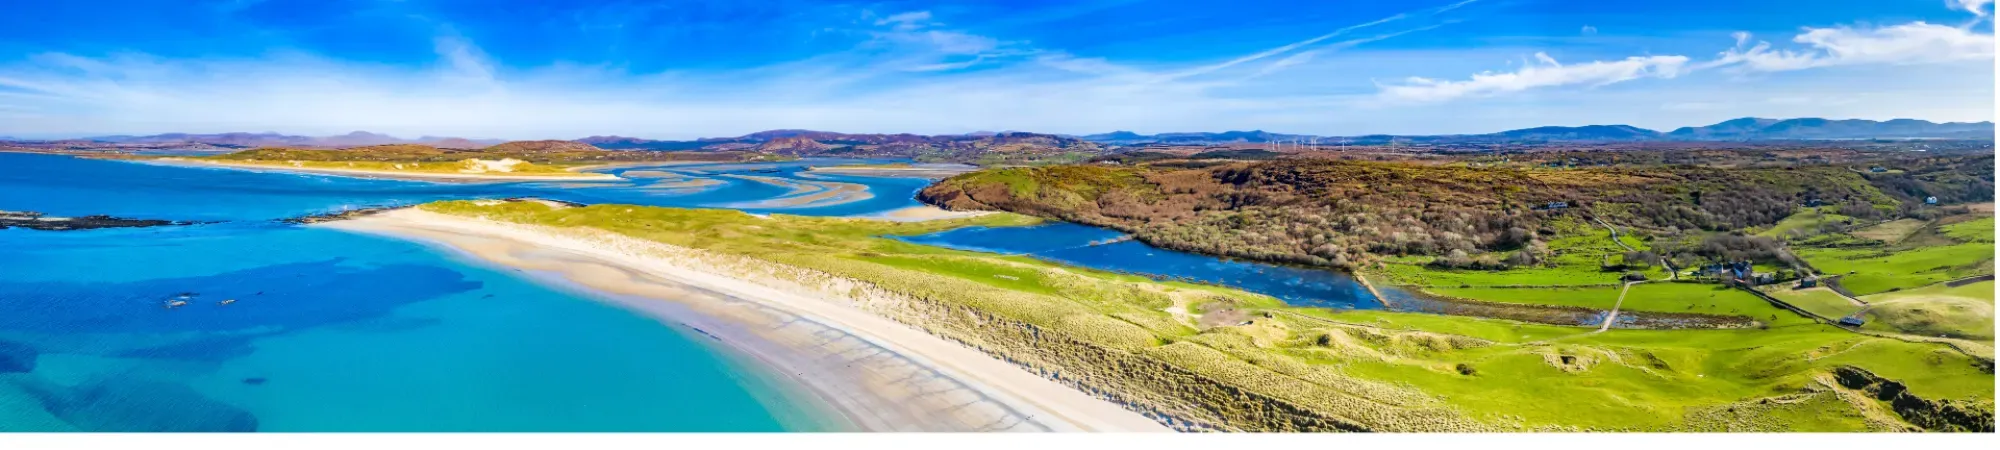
[1964,311]
[1210,357]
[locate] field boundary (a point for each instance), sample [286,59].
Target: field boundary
[1788,306]
[1967,280]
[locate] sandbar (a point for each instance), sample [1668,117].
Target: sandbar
[805,193]
[579,176]
[923,213]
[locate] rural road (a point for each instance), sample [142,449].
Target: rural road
[1613,316]
[1672,273]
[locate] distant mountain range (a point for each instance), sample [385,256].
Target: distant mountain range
[1744,129]
[1011,144]
[812,143]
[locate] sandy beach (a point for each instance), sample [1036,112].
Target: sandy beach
[925,212]
[807,193]
[431,176]
[875,373]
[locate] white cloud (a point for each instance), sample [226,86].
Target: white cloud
[1895,45]
[1910,43]
[1548,73]
[907,21]
[1976,7]
[1307,56]
[1317,39]
[904,80]
[66,94]
[919,44]
[1589,30]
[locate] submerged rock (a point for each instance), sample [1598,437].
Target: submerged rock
[38,221]
[16,357]
[132,405]
[334,216]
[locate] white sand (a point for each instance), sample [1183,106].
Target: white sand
[806,193]
[492,176]
[875,372]
[926,212]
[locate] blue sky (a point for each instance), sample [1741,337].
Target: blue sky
[680,69]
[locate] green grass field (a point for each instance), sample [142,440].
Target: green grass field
[1976,230]
[1957,247]
[1583,297]
[1866,271]
[1804,223]
[1709,299]
[1937,310]
[1389,371]
[1820,300]
[1891,232]
[1581,250]
[1659,296]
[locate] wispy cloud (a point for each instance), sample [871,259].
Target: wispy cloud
[1910,43]
[1546,73]
[1976,7]
[1904,44]
[1282,49]
[1307,56]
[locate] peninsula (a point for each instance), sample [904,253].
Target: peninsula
[1195,357]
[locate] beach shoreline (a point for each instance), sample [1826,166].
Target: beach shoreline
[363,173]
[923,213]
[880,374]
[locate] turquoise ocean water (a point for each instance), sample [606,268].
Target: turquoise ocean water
[335,331]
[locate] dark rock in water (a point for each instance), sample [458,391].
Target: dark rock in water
[37,221]
[253,381]
[333,216]
[16,358]
[210,349]
[135,405]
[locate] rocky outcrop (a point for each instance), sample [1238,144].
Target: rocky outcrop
[1938,415]
[38,221]
[333,216]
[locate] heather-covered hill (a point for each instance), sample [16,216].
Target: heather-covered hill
[1344,213]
